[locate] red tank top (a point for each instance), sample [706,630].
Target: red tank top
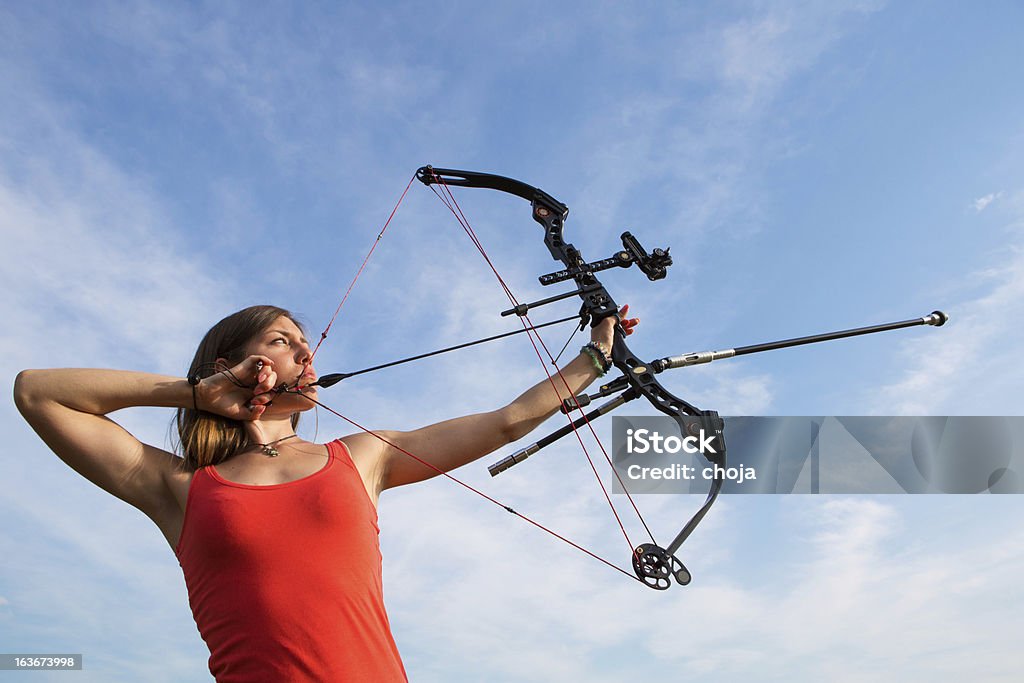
[284,581]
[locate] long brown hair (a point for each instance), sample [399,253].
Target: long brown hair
[208,439]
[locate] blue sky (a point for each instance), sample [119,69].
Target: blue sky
[813,167]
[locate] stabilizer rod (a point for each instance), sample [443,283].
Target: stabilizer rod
[936,318]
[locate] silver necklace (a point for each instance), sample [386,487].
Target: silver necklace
[268,448]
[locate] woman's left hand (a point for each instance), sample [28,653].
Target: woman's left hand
[604,332]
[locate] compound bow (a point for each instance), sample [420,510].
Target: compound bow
[653,564]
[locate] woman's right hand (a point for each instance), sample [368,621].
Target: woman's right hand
[221,394]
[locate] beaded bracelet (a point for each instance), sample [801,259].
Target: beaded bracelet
[606,356]
[601,361]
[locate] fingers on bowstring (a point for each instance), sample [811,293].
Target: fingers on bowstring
[627,323]
[262,399]
[258,405]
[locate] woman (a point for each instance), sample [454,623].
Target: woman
[277,537]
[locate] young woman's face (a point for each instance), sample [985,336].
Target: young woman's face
[284,343]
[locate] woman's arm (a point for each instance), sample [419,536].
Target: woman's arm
[453,443]
[68,408]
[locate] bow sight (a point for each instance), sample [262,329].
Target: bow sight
[654,266]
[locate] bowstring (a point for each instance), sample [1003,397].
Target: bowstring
[448,199]
[380,236]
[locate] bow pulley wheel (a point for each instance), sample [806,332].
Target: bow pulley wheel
[653,565]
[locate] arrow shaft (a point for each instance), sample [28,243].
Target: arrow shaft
[334,378]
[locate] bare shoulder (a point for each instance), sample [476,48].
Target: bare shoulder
[367,449]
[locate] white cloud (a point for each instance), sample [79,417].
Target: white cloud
[983,203]
[97,262]
[845,571]
[971,364]
[860,577]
